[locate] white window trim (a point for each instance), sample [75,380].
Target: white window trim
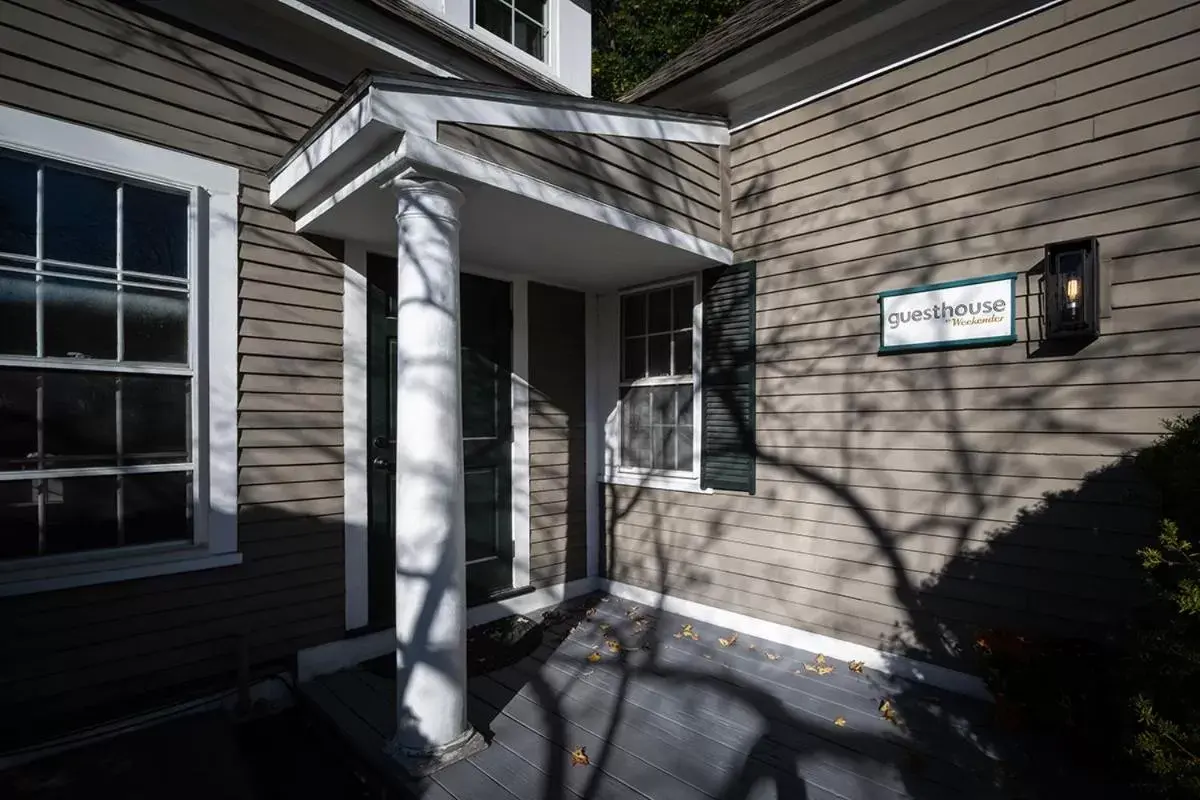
[614,471]
[214,191]
[548,66]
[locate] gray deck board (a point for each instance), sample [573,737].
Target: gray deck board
[681,720]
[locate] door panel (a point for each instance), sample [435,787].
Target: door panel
[486,334]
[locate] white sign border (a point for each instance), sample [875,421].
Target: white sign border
[957,343]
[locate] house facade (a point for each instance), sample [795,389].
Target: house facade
[331,329]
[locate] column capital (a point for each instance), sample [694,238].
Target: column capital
[426,197]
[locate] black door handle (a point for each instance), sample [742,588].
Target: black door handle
[379,462]
[381,442]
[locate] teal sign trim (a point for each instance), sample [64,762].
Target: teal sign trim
[981,341]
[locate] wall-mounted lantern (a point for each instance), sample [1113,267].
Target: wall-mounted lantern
[1071,291]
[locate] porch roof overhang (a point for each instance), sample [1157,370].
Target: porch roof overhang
[335,180]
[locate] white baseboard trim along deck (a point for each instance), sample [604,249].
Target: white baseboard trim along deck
[888,663]
[327,658]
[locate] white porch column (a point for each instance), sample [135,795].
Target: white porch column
[431,671]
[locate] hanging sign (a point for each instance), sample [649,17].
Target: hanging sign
[966,313]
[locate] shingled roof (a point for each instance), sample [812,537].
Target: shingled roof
[754,22]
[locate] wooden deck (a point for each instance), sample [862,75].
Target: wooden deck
[674,717]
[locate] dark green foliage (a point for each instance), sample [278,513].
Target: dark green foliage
[1131,707]
[633,38]
[1165,665]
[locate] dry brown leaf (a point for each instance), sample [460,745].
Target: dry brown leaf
[605,627]
[728,641]
[593,657]
[686,632]
[888,712]
[579,757]
[753,647]
[824,669]
[613,645]
[772,656]
[840,722]
[808,668]
[634,612]
[820,659]
[856,666]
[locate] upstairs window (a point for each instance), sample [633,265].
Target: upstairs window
[521,23]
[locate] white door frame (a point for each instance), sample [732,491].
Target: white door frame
[354,424]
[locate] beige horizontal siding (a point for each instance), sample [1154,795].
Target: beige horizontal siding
[905,501]
[664,182]
[80,654]
[557,470]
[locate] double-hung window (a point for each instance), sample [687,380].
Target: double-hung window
[520,23]
[684,415]
[658,381]
[114,259]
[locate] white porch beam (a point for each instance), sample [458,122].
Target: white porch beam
[431,610]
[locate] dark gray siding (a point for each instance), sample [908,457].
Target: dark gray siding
[905,500]
[672,183]
[557,432]
[74,654]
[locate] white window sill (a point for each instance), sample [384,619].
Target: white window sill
[89,569]
[642,480]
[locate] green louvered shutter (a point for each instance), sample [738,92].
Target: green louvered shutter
[727,450]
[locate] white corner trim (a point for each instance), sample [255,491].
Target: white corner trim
[357,29]
[530,602]
[324,659]
[218,368]
[520,494]
[355,434]
[428,153]
[897,665]
[594,431]
[895,65]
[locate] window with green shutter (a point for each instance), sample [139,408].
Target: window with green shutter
[727,449]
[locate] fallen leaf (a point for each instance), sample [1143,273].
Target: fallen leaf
[856,666]
[593,657]
[753,647]
[820,659]
[579,757]
[819,668]
[686,632]
[808,668]
[613,645]
[634,612]
[728,641]
[888,712]
[591,612]
[840,722]
[605,627]
[772,656]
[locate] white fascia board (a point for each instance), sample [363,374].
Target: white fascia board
[361,31]
[420,113]
[422,152]
[376,172]
[350,123]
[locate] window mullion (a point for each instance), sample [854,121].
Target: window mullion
[39,254]
[118,381]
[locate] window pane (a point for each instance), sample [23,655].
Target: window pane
[156,507]
[683,308]
[529,37]
[18,313]
[663,405]
[18,206]
[660,310]
[633,314]
[79,218]
[683,353]
[154,236]
[481,492]
[684,405]
[534,9]
[660,355]
[494,16]
[80,421]
[154,419]
[635,430]
[81,513]
[634,359]
[18,420]
[80,318]
[664,455]
[18,519]
[156,325]
[684,443]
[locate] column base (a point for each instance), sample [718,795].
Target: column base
[422,762]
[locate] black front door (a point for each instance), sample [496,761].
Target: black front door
[486,333]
